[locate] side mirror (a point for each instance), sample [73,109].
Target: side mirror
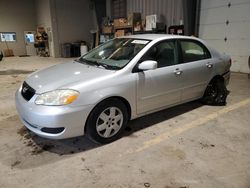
[147,65]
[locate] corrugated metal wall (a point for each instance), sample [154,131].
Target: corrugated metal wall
[172,10]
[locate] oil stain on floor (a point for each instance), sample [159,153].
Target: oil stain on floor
[15,71]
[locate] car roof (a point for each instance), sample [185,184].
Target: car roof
[157,36]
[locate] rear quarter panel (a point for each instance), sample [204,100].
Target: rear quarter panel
[222,62]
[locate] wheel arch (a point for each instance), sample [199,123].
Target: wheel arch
[122,99]
[217,77]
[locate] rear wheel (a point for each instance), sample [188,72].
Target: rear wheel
[216,93]
[107,121]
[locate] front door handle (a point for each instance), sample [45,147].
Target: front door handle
[178,72]
[209,65]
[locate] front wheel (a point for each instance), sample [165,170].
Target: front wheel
[107,121]
[216,93]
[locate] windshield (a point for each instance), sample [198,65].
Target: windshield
[114,54]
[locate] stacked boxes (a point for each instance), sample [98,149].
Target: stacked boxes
[121,22]
[107,29]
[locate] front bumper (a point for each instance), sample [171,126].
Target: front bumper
[70,120]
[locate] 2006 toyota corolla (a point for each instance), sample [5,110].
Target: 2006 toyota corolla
[120,80]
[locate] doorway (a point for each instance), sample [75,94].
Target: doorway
[29,37]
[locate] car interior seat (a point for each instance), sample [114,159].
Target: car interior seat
[165,57]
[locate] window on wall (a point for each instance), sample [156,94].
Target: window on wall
[119,8]
[8,36]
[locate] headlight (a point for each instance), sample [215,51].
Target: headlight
[57,97]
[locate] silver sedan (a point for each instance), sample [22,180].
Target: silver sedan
[121,80]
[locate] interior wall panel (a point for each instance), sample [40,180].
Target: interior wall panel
[73,20]
[171,10]
[17,16]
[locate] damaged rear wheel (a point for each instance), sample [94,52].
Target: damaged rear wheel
[216,93]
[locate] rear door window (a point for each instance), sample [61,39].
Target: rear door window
[193,51]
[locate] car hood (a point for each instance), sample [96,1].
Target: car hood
[64,76]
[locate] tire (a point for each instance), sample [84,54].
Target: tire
[215,93]
[107,121]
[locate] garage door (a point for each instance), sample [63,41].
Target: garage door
[225,25]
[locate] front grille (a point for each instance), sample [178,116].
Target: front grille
[27,91]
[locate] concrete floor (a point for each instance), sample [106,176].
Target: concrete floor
[186,146]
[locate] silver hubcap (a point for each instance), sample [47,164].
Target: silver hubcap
[109,122]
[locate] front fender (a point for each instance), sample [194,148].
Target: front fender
[124,87]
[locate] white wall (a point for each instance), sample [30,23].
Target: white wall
[213,28]
[17,16]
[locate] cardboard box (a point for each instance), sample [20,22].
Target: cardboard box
[134,18]
[107,29]
[120,22]
[119,33]
[116,23]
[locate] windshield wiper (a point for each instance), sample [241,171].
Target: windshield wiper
[84,61]
[96,63]
[113,67]
[104,65]
[79,60]
[88,62]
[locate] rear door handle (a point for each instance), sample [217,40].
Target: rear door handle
[209,65]
[178,72]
